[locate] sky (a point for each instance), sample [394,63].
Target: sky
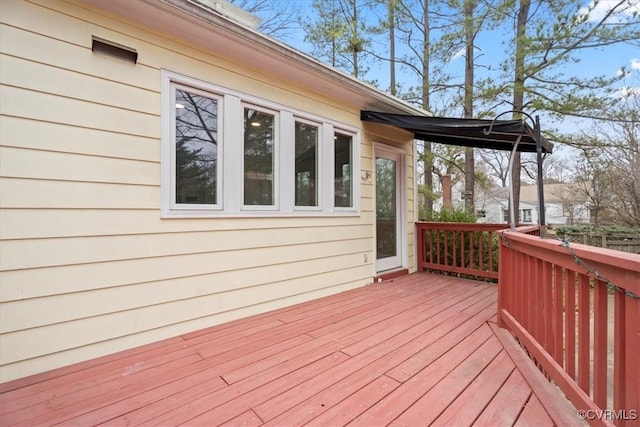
[608,61]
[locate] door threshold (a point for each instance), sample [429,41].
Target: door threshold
[386,275]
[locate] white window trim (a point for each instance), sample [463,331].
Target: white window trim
[220,152]
[230,179]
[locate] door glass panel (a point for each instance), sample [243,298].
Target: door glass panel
[386,209]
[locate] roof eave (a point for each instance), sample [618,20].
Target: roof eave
[282,61]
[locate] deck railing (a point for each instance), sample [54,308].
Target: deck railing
[460,248]
[576,309]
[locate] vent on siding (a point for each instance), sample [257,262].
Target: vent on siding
[114,49]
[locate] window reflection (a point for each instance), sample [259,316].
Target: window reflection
[343,161]
[306,148]
[258,158]
[196,146]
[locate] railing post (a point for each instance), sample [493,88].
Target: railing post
[503,277]
[420,241]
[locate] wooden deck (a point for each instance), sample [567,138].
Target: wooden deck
[417,350]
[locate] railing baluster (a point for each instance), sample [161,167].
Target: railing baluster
[619,359]
[463,262]
[481,250]
[584,334]
[570,328]
[600,345]
[454,248]
[547,298]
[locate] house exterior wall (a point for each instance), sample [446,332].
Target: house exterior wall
[88,265]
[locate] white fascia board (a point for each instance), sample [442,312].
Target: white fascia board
[191,21]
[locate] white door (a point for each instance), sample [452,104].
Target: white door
[390,208]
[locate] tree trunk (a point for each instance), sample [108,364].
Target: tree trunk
[355,39]
[427,159]
[392,47]
[469,164]
[518,94]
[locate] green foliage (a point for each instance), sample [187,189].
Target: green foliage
[612,230]
[452,215]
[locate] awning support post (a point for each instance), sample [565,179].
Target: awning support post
[512,216]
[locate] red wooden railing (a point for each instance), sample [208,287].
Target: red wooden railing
[459,248]
[576,309]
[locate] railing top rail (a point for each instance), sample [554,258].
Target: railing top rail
[459,226]
[622,269]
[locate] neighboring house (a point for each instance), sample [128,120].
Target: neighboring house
[564,204]
[165,168]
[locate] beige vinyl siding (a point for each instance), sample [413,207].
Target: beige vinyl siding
[88,266]
[400,139]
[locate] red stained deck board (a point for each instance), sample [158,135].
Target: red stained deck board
[347,335]
[274,359]
[357,403]
[289,330]
[225,404]
[328,405]
[404,396]
[230,336]
[279,404]
[390,306]
[448,338]
[33,384]
[506,405]
[128,402]
[436,400]
[559,409]
[114,366]
[471,402]
[338,340]
[438,312]
[70,404]
[376,293]
[246,419]
[360,378]
[411,317]
[534,415]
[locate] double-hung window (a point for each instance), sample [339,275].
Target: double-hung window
[226,153]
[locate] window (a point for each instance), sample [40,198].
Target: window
[481,214]
[526,215]
[196,147]
[259,157]
[226,153]
[343,172]
[306,164]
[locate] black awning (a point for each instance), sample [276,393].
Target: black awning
[465,132]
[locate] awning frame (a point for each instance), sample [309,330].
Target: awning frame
[506,135]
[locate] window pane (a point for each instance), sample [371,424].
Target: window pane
[306,164]
[196,148]
[343,171]
[258,158]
